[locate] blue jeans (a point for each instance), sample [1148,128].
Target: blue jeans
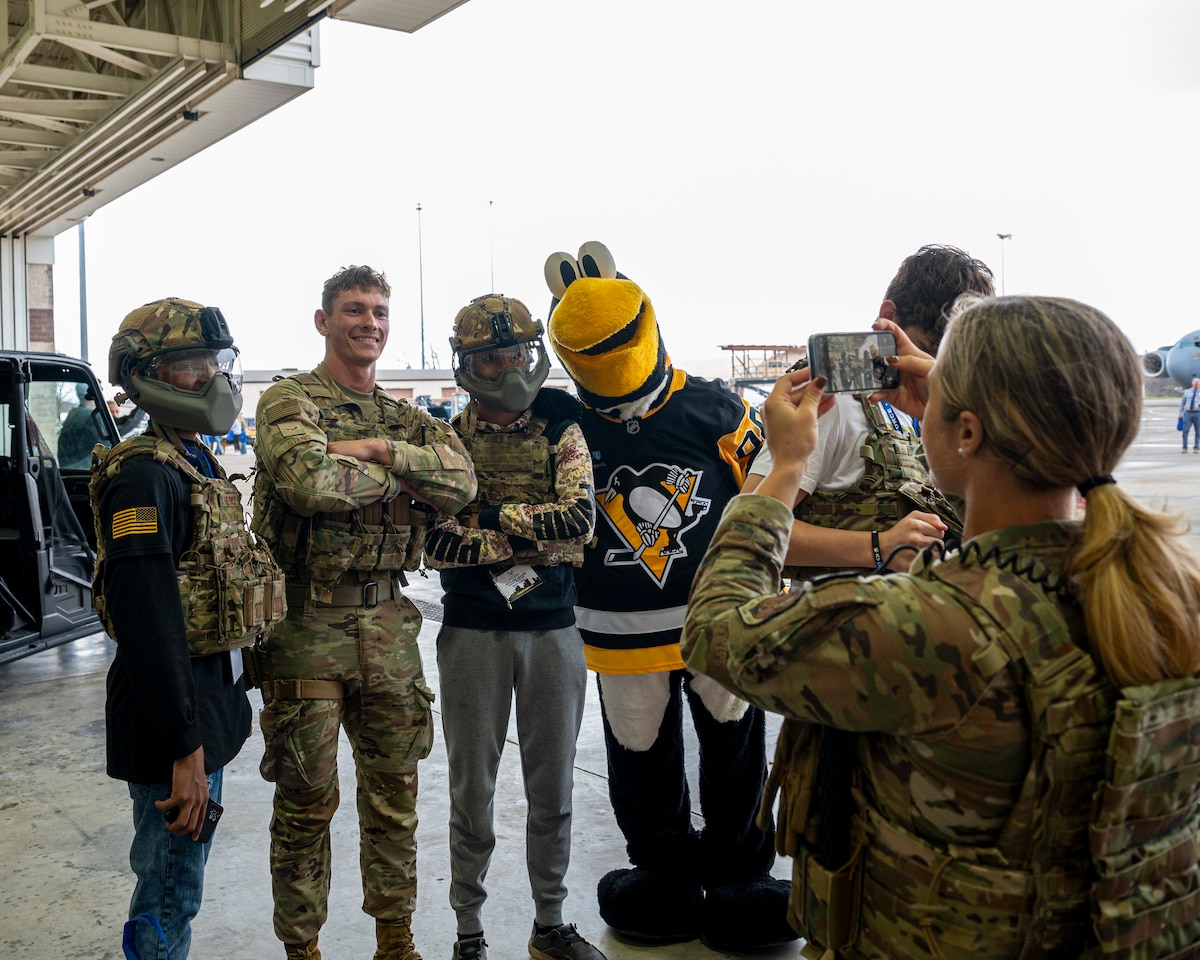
[169,870]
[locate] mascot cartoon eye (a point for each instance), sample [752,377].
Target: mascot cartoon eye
[560,270]
[594,260]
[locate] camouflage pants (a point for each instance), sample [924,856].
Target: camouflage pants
[387,717]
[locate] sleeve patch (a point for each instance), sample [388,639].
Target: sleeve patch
[287,407]
[134,520]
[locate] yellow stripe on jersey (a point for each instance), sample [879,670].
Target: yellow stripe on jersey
[634,660]
[134,520]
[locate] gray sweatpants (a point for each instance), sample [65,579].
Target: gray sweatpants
[479,672]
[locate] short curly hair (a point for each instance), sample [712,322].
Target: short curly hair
[353,278]
[927,284]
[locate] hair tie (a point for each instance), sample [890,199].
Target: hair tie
[1087,485]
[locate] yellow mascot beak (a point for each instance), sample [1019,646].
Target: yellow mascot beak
[605,333]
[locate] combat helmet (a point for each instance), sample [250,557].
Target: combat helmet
[500,329]
[168,331]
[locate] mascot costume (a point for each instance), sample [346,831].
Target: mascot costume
[669,451]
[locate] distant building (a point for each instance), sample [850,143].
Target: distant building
[437,385]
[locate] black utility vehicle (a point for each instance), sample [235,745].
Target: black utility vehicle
[52,413]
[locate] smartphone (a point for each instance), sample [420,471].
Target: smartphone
[854,362]
[212,813]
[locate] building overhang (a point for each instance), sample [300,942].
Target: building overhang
[97,98]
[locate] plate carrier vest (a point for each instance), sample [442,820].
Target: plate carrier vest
[382,539]
[509,471]
[896,482]
[231,589]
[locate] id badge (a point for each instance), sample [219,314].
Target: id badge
[515,581]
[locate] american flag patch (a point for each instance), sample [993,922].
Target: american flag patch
[134,520]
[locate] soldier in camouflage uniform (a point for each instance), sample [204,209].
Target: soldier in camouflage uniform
[985,688]
[866,499]
[176,711]
[343,472]
[507,567]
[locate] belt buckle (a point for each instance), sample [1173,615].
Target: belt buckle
[371,595]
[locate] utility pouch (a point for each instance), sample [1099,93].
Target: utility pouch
[793,779]
[824,904]
[420,520]
[256,665]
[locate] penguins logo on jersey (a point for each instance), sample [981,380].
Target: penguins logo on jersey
[652,510]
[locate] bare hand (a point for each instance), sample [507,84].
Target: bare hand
[790,414]
[915,529]
[189,795]
[914,366]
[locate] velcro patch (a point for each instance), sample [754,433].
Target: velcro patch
[281,409]
[846,592]
[134,520]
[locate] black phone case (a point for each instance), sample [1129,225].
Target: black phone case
[212,813]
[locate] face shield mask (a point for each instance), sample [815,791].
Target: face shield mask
[505,377]
[191,388]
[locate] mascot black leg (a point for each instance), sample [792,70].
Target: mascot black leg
[661,898]
[745,908]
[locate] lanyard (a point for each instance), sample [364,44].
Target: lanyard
[891,415]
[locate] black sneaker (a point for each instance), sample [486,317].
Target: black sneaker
[562,943]
[472,948]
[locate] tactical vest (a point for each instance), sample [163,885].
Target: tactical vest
[230,587]
[381,539]
[896,482]
[1097,859]
[517,468]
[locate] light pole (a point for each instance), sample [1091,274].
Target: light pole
[83,341]
[1003,237]
[491,251]
[421,284]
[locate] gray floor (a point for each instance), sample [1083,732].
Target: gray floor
[65,828]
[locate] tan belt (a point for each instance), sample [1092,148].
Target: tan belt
[367,595]
[303,690]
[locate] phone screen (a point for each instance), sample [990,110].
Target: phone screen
[854,362]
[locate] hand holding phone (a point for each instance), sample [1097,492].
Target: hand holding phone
[854,362]
[212,813]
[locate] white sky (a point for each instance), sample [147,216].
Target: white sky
[760,169]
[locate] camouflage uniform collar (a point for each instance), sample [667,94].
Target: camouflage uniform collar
[1035,552]
[517,426]
[469,424]
[342,393]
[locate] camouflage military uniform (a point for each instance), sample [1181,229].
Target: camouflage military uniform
[946,746]
[347,653]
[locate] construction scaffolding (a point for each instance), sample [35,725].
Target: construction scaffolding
[759,365]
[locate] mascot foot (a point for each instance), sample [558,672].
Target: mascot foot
[648,907]
[747,916]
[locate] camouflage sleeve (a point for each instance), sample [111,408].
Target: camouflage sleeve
[291,446]
[450,544]
[435,464]
[864,653]
[572,517]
